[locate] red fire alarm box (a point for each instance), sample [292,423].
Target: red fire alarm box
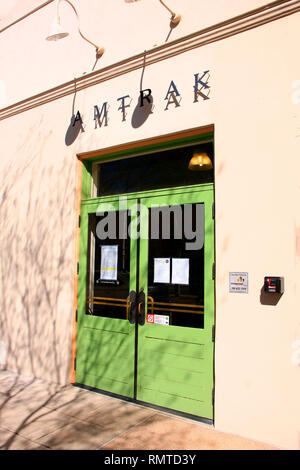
[274,285]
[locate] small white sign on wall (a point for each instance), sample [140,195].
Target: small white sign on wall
[238,282]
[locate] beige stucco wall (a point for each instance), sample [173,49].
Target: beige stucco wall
[256,115]
[257,200]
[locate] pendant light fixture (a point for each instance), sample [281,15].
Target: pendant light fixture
[57,31]
[200,161]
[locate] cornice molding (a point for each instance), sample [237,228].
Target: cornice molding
[31,12]
[253,19]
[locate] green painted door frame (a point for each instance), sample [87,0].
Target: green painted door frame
[168,366]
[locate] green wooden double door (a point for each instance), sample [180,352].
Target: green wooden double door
[146,297]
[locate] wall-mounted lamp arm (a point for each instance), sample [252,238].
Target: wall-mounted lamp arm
[172,12]
[175,19]
[99,50]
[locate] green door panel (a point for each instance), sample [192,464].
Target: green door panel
[104,346]
[173,365]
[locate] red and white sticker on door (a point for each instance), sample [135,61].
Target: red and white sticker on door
[158,319]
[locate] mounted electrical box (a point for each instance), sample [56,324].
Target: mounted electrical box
[274,285]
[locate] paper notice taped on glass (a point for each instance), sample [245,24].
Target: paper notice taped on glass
[109,263]
[180,270]
[162,270]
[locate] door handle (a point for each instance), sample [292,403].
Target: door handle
[136,307]
[141,307]
[132,304]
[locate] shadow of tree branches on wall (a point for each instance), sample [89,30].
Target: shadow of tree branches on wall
[36,278]
[36,268]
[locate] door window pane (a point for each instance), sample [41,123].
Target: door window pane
[153,171]
[176,264]
[108,266]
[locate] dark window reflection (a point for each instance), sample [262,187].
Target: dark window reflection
[154,171]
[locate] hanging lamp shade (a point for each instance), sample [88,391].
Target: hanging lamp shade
[200,161]
[56,32]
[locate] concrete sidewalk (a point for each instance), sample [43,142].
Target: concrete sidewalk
[35,415]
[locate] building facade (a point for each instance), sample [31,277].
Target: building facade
[122,268]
